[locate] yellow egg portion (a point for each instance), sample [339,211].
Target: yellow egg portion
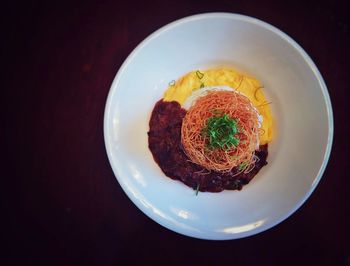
[249,86]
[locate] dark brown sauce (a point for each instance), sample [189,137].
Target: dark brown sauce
[164,141]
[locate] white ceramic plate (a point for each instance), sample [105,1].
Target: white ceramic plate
[300,104]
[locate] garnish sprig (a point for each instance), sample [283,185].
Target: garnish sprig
[221,131]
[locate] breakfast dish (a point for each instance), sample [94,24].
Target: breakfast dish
[299,137]
[211,130]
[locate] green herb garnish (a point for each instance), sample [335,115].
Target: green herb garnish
[199,74]
[255,93]
[221,132]
[197,189]
[242,166]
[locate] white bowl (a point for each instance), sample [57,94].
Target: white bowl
[300,104]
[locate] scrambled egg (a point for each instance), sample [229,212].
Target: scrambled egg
[249,86]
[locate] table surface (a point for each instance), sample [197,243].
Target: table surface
[61,201]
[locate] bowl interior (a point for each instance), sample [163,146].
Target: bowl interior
[300,105]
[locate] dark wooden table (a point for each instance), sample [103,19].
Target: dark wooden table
[61,203]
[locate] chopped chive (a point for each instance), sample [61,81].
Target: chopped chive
[255,95]
[197,189]
[221,132]
[242,166]
[199,74]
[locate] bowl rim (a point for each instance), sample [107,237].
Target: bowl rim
[210,15]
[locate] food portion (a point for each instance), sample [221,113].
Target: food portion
[221,131]
[183,88]
[165,144]
[210,135]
